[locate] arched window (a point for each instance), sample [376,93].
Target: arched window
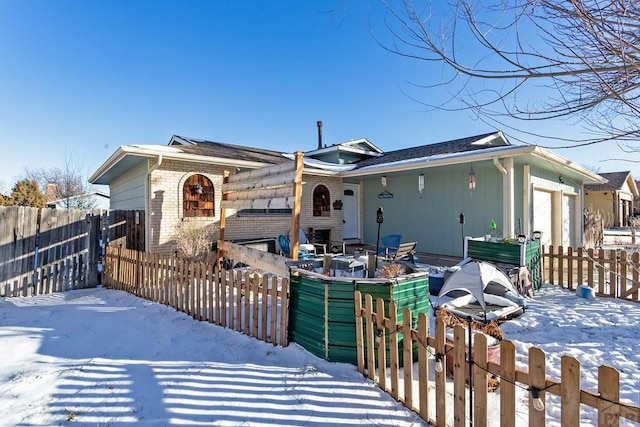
[198,197]
[321,201]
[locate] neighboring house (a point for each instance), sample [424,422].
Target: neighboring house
[91,200]
[615,198]
[423,190]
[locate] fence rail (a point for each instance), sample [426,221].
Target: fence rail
[245,301]
[373,331]
[610,272]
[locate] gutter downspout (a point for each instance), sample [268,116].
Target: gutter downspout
[147,204]
[507,195]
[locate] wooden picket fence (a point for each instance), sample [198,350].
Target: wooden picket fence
[374,329]
[610,272]
[250,303]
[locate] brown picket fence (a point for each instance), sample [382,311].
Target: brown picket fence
[374,330]
[242,300]
[610,272]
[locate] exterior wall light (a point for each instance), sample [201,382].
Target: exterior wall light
[472,179]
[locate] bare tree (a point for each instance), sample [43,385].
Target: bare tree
[500,56]
[67,183]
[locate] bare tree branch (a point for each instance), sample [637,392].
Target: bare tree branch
[583,54]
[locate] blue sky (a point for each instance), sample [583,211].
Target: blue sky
[80,78]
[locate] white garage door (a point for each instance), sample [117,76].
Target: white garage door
[542,214]
[568,220]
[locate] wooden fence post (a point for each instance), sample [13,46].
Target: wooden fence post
[609,388]
[570,282]
[369,340]
[538,381]
[407,357]
[590,269]
[441,374]
[561,266]
[382,345]
[480,383]
[569,392]
[507,383]
[423,365]
[460,372]
[551,265]
[393,350]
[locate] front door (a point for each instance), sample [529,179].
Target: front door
[351,212]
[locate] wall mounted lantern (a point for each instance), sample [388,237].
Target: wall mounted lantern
[472,179]
[421,183]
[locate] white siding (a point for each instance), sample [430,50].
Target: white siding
[128,190]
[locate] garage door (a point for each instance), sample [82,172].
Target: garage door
[542,214]
[568,221]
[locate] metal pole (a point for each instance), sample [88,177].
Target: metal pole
[379,220]
[462,229]
[470,361]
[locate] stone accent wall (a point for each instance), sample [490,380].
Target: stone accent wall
[166,208]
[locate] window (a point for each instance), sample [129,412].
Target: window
[198,197]
[321,201]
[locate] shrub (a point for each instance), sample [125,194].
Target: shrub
[193,240]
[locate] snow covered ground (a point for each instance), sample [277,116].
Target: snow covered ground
[99,357]
[601,331]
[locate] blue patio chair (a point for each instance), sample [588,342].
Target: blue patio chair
[389,244]
[285,246]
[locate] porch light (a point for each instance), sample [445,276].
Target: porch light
[537,235]
[383,179]
[421,182]
[522,238]
[472,179]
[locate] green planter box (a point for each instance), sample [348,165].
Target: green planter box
[322,310]
[520,255]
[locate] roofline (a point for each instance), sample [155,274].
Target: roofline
[474,156]
[627,178]
[548,155]
[148,152]
[342,147]
[80,196]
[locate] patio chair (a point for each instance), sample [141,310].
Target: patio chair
[389,244]
[285,247]
[333,247]
[304,246]
[405,251]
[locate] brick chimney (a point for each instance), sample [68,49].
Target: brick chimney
[51,192]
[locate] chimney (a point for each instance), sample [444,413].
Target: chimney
[319,134]
[51,192]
